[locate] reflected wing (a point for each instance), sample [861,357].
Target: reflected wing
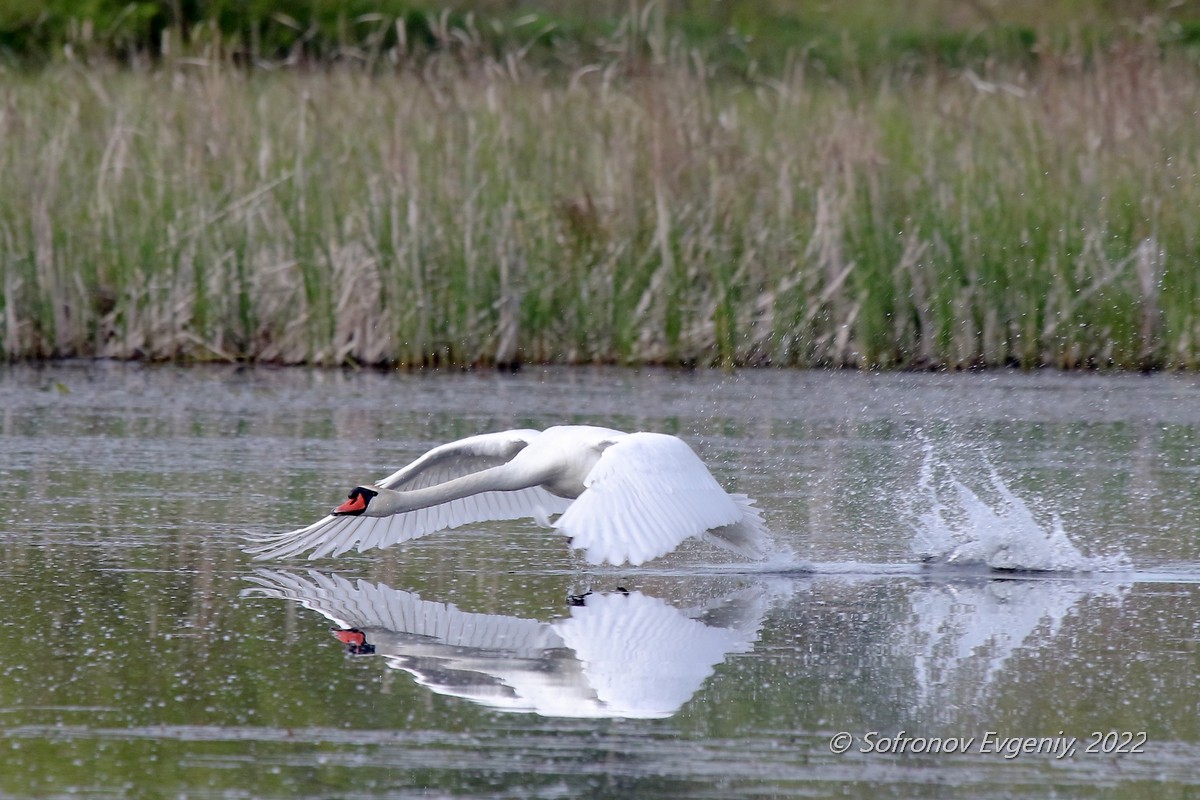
[646,494]
[335,535]
[428,628]
[324,594]
[499,661]
[645,658]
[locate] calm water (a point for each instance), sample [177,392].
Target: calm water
[143,654]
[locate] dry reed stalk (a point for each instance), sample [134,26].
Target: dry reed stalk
[487,213]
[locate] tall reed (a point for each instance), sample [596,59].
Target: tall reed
[482,211]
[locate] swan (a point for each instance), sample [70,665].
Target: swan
[621,497]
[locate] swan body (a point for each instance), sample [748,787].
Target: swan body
[621,497]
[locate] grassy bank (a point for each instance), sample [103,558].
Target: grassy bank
[479,209]
[741,36]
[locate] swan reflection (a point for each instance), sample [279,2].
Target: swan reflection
[941,644]
[620,654]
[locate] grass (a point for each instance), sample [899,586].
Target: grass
[743,36]
[480,208]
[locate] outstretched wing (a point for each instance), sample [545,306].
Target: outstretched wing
[418,627]
[455,459]
[646,494]
[334,535]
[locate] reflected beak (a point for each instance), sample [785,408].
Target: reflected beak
[355,641]
[352,636]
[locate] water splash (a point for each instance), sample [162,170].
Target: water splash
[959,527]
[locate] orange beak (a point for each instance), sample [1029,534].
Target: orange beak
[352,636]
[356,504]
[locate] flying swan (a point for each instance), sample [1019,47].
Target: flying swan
[622,497]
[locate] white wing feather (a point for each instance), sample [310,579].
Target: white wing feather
[646,494]
[455,459]
[388,612]
[643,657]
[334,535]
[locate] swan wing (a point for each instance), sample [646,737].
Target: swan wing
[646,494]
[455,459]
[748,536]
[334,535]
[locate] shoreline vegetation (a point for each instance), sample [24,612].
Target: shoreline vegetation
[648,187]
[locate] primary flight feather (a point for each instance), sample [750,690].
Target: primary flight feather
[622,497]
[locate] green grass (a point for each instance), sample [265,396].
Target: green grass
[736,36]
[485,209]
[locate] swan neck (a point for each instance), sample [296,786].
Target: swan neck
[496,479]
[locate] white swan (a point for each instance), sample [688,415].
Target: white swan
[623,497]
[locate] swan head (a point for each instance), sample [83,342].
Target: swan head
[355,641]
[358,501]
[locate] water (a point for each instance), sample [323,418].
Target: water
[983,563]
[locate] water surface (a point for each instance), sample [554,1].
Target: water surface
[143,654]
